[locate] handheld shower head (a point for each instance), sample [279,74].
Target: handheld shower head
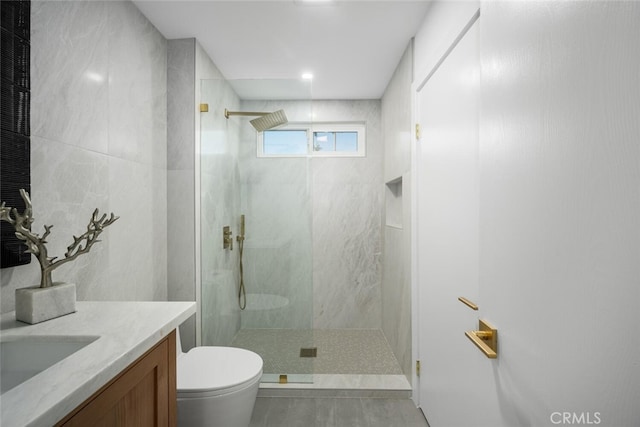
[266,121]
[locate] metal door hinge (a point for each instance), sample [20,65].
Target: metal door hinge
[418,131]
[204,108]
[417,368]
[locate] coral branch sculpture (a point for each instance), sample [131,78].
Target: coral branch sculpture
[37,244]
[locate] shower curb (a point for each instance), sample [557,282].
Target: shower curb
[373,386]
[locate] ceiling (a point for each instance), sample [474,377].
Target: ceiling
[351,47]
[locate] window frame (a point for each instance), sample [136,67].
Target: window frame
[310,128]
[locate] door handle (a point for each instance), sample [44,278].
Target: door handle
[486,339]
[468,303]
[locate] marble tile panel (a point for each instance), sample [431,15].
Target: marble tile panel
[180,235]
[68,183]
[395,290]
[13,278]
[181,84]
[368,111]
[159,229]
[137,85]
[99,87]
[181,180]
[220,311]
[403,349]
[396,282]
[347,256]
[66,179]
[340,303]
[396,118]
[133,244]
[285,272]
[70,73]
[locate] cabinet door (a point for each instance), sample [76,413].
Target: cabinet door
[144,394]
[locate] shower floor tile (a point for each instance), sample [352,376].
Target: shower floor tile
[339,351]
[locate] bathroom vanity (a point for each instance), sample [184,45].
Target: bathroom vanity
[109,359]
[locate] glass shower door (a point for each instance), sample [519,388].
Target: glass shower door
[273,194]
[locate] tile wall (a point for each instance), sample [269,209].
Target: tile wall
[396,277]
[98,121]
[335,202]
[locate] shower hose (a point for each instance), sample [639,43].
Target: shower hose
[242,295]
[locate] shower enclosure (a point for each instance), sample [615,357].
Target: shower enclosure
[312,248]
[273,194]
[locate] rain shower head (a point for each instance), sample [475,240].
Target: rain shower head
[266,121]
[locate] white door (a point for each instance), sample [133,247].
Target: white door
[454,373]
[528,203]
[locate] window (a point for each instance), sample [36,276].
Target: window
[285,142]
[317,139]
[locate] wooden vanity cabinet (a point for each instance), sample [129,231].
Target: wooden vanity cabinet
[144,394]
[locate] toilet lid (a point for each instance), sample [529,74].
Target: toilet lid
[216,368]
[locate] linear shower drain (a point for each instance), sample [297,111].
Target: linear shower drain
[309,352]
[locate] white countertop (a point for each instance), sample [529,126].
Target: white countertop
[126,330]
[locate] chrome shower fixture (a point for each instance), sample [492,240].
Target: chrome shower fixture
[266,121]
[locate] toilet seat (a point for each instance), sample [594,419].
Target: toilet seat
[213,371]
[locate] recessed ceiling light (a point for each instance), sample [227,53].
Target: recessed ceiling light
[307,76]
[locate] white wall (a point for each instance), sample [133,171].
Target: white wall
[98,121]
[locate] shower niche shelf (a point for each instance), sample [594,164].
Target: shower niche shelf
[393,203]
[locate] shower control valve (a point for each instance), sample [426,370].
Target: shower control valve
[227,240]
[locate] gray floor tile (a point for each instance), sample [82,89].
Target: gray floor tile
[325,412]
[260,411]
[302,412]
[383,413]
[335,412]
[350,412]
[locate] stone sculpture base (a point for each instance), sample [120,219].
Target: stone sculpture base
[35,305]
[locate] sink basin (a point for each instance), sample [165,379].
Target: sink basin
[24,357]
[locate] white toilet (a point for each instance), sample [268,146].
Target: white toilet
[217,386]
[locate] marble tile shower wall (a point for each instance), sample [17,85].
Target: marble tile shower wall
[396,278]
[347,224]
[98,122]
[326,211]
